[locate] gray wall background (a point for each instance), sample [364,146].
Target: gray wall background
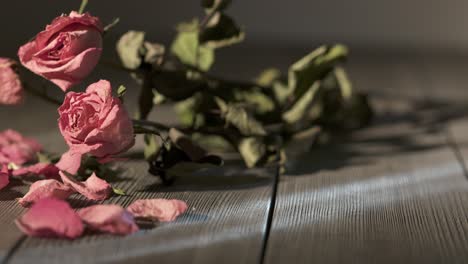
[363,24]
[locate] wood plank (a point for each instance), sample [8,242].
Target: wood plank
[226,221]
[394,193]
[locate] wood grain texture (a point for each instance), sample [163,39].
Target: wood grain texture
[225,222]
[393,193]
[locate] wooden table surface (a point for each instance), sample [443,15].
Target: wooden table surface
[395,192]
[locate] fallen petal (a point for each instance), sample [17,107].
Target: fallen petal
[51,218]
[70,162]
[16,148]
[111,219]
[4,177]
[46,189]
[162,210]
[94,188]
[48,170]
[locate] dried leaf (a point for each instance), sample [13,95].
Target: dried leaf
[313,67]
[121,91]
[175,85]
[128,48]
[152,146]
[154,53]
[268,77]
[220,32]
[237,116]
[187,48]
[252,150]
[118,191]
[299,109]
[344,83]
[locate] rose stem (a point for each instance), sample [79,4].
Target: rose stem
[83,6]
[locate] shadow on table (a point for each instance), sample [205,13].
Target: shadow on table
[420,128]
[215,179]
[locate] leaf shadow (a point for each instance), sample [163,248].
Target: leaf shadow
[421,127]
[222,178]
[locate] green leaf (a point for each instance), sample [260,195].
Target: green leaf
[121,91]
[237,116]
[187,48]
[152,146]
[252,150]
[220,32]
[314,67]
[128,48]
[300,108]
[118,191]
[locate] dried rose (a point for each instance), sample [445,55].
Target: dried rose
[66,51]
[94,123]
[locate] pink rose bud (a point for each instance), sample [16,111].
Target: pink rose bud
[66,51]
[11,89]
[95,123]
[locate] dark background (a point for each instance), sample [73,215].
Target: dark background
[419,25]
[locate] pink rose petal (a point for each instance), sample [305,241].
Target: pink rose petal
[111,219]
[4,177]
[70,162]
[51,218]
[48,170]
[16,148]
[11,89]
[158,209]
[93,188]
[46,189]
[66,51]
[95,122]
